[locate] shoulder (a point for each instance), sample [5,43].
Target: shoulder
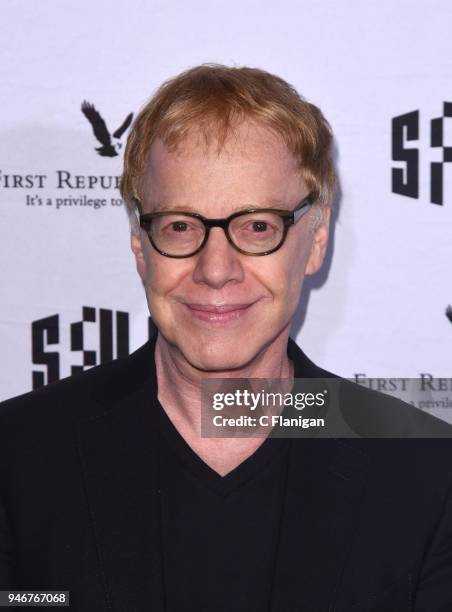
[406,448]
[374,414]
[364,412]
[400,441]
[77,396]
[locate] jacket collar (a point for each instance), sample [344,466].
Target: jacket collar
[119,460]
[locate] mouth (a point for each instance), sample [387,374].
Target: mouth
[218,313]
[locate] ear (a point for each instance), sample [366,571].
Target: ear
[137,249]
[319,243]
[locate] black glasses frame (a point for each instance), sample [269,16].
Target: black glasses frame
[289,218]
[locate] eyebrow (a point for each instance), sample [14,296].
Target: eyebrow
[164,206]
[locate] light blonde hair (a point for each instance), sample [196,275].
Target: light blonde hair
[213,99]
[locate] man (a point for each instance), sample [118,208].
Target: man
[107,488]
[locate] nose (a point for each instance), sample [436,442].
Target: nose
[218,262]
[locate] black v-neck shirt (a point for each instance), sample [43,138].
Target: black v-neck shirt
[219,534]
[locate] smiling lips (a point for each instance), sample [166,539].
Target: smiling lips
[216,313]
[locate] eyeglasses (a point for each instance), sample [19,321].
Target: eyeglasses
[256,231]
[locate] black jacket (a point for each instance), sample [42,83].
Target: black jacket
[367,523]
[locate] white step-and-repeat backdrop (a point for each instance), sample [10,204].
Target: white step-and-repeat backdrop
[380,71]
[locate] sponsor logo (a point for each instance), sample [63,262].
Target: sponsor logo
[111,143]
[63,188]
[406,148]
[112,331]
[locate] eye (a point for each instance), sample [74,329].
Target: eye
[259,226]
[173,225]
[179,226]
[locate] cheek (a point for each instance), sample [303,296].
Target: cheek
[164,274]
[283,276]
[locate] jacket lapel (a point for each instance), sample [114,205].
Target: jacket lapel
[119,456]
[324,485]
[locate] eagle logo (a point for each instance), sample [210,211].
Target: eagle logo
[109,148]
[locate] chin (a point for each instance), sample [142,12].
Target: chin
[234,353]
[217,356]
[217,363]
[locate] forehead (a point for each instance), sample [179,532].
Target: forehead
[254,167]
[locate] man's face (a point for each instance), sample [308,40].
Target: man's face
[254,169]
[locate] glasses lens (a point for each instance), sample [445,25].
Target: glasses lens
[177,234]
[257,232]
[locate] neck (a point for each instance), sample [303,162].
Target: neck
[179,392]
[179,382]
